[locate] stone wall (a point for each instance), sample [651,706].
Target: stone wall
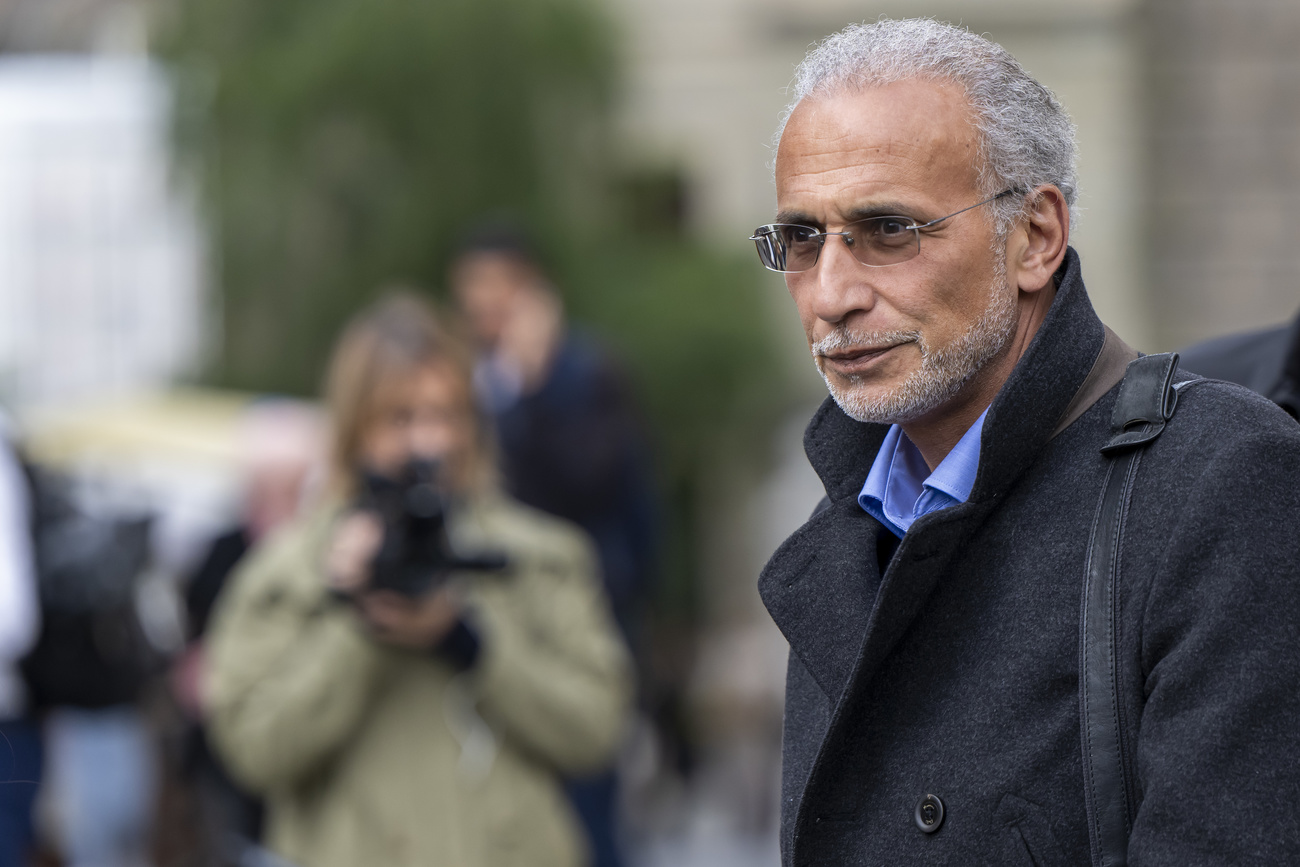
[1224,154]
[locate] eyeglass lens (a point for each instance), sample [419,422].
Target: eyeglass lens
[875,241]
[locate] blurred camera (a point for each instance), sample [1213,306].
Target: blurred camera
[416,554]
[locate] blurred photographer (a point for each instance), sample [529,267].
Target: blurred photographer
[406,672]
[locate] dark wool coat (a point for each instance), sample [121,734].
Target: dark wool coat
[955,673]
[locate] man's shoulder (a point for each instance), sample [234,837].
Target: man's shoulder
[1227,432]
[1221,409]
[1216,425]
[584,372]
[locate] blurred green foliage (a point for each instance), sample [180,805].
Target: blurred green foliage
[345,144]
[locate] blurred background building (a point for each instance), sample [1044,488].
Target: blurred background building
[200,191]
[100,252]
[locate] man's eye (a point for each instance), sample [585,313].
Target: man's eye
[800,234]
[889,230]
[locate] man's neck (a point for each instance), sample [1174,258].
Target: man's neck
[935,437]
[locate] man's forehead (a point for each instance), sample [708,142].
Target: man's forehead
[911,106]
[868,141]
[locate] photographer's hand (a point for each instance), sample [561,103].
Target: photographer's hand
[357,537]
[418,623]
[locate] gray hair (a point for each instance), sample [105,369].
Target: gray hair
[1026,137]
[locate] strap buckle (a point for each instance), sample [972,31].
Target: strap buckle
[1146,401]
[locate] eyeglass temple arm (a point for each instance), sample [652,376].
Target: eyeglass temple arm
[1001,195]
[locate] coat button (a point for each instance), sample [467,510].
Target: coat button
[929,814]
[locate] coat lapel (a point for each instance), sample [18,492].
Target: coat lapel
[819,587]
[820,584]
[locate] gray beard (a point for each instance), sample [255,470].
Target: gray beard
[942,372]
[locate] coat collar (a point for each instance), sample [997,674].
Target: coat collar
[823,586]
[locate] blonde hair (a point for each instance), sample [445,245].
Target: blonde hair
[396,337]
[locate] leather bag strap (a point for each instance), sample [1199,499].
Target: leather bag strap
[1147,399]
[1109,368]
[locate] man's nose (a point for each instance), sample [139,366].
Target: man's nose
[838,282]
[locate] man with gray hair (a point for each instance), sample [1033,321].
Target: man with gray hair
[990,661]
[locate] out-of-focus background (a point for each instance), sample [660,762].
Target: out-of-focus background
[195,194]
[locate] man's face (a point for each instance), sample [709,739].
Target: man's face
[903,342]
[488,286]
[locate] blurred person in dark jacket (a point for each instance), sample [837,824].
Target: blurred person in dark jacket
[1266,361]
[90,671]
[20,748]
[416,722]
[570,438]
[571,441]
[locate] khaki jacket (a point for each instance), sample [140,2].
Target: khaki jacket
[371,755]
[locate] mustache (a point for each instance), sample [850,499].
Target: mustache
[842,338]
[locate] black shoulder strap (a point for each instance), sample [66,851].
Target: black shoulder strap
[1146,401]
[1107,369]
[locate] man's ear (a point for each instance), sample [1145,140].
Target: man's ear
[1041,235]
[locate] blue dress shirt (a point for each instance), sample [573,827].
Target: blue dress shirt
[900,487]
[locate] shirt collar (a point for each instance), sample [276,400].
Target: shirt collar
[899,488]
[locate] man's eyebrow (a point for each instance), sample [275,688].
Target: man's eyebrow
[865,212]
[798,218]
[880,209]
